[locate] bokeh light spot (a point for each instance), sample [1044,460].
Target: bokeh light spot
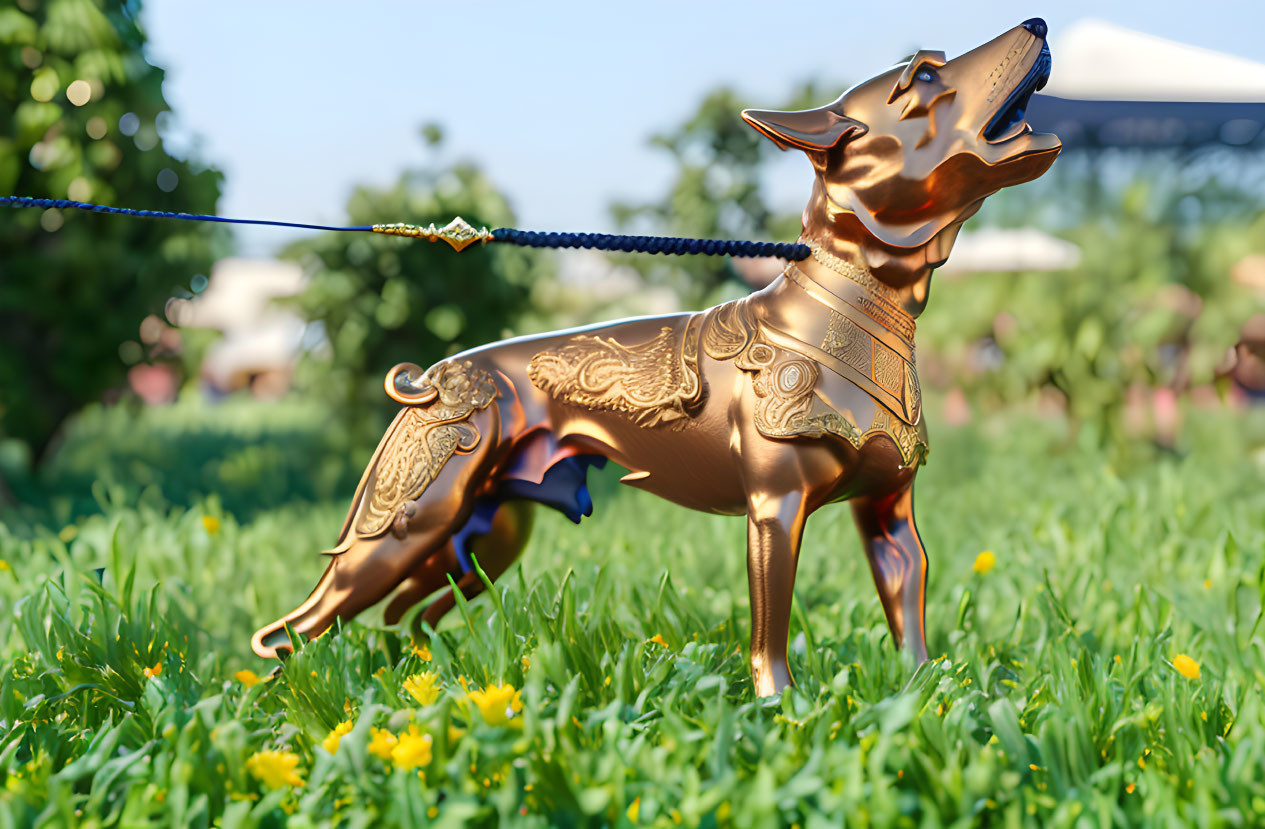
[167,179]
[131,352]
[178,311]
[51,220]
[96,127]
[79,92]
[44,86]
[146,139]
[31,57]
[80,189]
[151,329]
[129,123]
[198,283]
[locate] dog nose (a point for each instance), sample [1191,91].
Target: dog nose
[1036,25]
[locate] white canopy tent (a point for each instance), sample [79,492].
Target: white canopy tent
[1114,87]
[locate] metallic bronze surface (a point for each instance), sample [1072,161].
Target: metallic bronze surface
[771,406]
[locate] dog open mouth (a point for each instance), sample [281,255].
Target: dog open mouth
[1008,123]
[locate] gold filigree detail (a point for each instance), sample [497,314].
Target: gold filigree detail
[913,392]
[424,436]
[847,342]
[912,449]
[888,370]
[784,386]
[654,382]
[728,329]
[459,233]
[858,275]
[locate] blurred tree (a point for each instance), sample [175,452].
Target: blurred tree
[81,116]
[381,300]
[717,192]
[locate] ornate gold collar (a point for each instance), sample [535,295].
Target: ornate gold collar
[861,293]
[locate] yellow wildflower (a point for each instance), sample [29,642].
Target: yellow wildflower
[412,749]
[658,640]
[423,687]
[248,678]
[498,704]
[211,524]
[525,661]
[154,671]
[634,810]
[4,565]
[1186,666]
[422,652]
[1129,788]
[275,768]
[330,743]
[381,743]
[984,562]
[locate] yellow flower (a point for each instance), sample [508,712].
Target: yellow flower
[984,562]
[211,524]
[423,687]
[381,743]
[658,640]
[422,652]
[525,661]
[248,678]
[1186,666]
[4,565]
[498,704]
[634,811]
[330,743]
[412,749]
[275,768]
[154,671]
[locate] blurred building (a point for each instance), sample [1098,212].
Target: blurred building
[261,339]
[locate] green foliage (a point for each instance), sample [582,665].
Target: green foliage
[717,192]
[383,300]
[1055,701]
[73,286]
[251,458]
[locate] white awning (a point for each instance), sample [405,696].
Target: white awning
[995,249]
[1096,60]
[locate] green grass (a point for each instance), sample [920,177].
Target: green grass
[1053,699]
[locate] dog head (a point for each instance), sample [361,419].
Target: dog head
[916,149]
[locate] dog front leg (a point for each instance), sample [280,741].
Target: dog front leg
[774,527]
[899,564]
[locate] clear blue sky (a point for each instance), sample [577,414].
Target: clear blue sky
[298,102]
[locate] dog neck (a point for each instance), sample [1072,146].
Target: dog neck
[843,248]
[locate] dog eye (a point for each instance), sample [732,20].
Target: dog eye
[925,75]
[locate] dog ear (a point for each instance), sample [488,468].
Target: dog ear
[807,129]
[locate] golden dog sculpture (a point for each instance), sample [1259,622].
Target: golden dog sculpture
[797,396]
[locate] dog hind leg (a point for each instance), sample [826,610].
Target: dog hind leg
[495,548]
[366,568]
[899,564]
